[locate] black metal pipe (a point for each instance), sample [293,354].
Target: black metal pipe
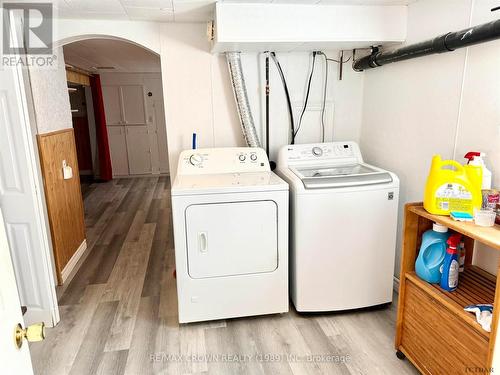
[443,43]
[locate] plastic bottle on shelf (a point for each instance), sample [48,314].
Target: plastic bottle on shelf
[432,253]
[461,253]
[477,159]
[452,187]
[449,276]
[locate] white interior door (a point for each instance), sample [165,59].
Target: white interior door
[21,200]
[156,120]
[139,151]
[161,134]
[134,112]
[112,104]
[118,150]
[236,238]
[12,359]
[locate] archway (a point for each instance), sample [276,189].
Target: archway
[138,129]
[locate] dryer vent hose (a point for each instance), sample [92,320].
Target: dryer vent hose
[241,97]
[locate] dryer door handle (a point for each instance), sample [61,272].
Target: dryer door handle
[203,242]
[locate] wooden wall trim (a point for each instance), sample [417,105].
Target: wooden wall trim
[63,197]
[77,77]
[55,132]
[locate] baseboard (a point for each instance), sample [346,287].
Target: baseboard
[395,284]
[167,174]
[37,315]
[70,266]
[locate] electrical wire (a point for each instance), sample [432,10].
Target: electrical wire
[324,98]
[307,96]
[267,104]
[287,94]
[337,61]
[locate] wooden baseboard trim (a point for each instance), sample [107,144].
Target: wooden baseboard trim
[68,269]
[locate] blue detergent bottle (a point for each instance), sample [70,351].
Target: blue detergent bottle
[449,277]
[432,253]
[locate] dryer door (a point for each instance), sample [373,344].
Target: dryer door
[235,238]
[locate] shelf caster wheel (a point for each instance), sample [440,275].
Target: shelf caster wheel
[400,355]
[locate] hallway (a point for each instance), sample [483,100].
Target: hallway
[119,313]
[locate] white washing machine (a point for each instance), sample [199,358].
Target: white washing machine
[230,217]
[343,221]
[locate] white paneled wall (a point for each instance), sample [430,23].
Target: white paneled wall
[199,96]
[447,104]
[142,112]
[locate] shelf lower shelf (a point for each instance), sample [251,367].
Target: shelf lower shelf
[487,235]
[475,286]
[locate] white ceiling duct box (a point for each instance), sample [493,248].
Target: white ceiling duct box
[306,27]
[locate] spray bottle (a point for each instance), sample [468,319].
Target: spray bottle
[477,159]
[449,276]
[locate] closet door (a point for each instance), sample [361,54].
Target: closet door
[161,131]
[118,150]
[139,152]
[134,112]
[112,104]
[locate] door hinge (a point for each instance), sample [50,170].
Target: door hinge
[210,31]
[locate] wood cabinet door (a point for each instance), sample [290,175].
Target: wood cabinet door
[139,151]
[134,112]
[118,150]
[112,104]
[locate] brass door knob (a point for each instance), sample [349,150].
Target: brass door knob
[32,333]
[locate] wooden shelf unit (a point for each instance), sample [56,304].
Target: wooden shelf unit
[433,330]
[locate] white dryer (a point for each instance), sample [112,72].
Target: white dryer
[230,218]
[343,221]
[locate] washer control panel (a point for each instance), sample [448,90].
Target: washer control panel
[332,151]
[223,160]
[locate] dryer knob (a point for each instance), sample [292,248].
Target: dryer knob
[196,159]
[317,151]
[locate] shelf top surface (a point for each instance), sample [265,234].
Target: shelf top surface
[489,236]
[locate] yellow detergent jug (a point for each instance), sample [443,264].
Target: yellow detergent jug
[452,187]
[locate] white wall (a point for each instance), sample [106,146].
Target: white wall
[50,97]
[145,34]
[199,96]
[152,82]
[447,104]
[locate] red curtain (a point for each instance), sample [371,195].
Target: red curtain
[105,170]
[82,138]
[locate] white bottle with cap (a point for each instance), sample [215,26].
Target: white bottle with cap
[477,159]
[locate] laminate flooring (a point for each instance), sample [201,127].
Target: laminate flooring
[119,312]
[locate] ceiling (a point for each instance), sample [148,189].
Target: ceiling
[124,57]
[173,10]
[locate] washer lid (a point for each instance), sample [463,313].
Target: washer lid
[317,177]
[227,183]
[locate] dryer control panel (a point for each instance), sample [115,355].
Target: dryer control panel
[223,160]
[320,152]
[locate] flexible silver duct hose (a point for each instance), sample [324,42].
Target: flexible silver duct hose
[241,97]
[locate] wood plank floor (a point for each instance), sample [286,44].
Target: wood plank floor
[119,313]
